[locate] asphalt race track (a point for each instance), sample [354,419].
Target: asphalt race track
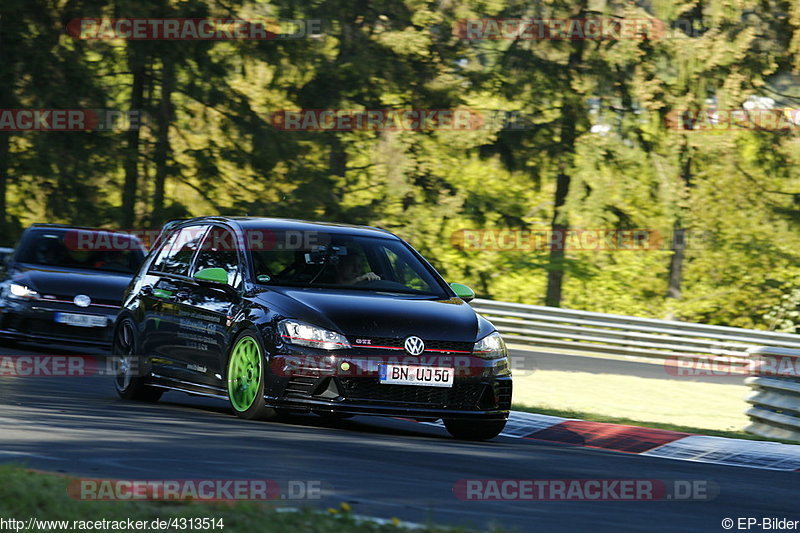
[531,361]
[382,467]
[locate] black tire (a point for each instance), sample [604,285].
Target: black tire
[257,409]
[128,363]
[474,429]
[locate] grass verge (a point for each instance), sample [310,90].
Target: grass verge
[26,494]
[715,409]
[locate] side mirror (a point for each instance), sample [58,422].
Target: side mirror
[463,292]
[214,275]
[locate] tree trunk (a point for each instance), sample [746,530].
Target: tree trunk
[162,148]
[337,166]
[7,78]
[131,164]
[573,105]
[679,232]
[5,164]
[676,262]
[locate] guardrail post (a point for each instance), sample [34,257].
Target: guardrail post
[775,398]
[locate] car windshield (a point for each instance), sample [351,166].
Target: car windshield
[343,262]
[85,249]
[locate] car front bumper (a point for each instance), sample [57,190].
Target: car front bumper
[481,388]
[35,321]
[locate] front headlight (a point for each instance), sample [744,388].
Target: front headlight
[491,346]
[302,334]
[21,291]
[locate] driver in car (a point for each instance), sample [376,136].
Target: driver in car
[47,254]
[349,271]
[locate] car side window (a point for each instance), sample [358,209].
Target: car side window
[218,250]
[163,249]
[177,253]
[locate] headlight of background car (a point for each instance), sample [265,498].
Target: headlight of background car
[491,346]
[295,332]
[16,290]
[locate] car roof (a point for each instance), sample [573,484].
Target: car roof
[288,224]
[41,225]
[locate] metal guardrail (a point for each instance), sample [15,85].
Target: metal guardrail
[770,359]
[775,398]
[584,332]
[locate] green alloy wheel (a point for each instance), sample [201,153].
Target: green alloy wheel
[246,379]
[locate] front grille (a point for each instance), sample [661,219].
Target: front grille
[299,387]
[389,342]
[449,346]
[370,391]
[503,394]
[50,328]
[377,341]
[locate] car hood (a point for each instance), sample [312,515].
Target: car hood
[368,314]
[53,281]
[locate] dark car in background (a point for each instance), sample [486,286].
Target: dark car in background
[64,284]
[281,315]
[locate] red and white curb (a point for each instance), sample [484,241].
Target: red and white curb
[653,442]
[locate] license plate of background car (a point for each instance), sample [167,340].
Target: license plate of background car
[83,321]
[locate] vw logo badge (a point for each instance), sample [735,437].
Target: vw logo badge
[82,300]
[414,345]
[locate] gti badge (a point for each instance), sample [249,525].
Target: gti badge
[82,300]
[414,345]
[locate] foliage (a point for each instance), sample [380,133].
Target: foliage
[596,148]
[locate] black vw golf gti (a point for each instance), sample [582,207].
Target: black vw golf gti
[283,316]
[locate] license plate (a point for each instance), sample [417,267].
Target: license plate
[416,375]
[83,321]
